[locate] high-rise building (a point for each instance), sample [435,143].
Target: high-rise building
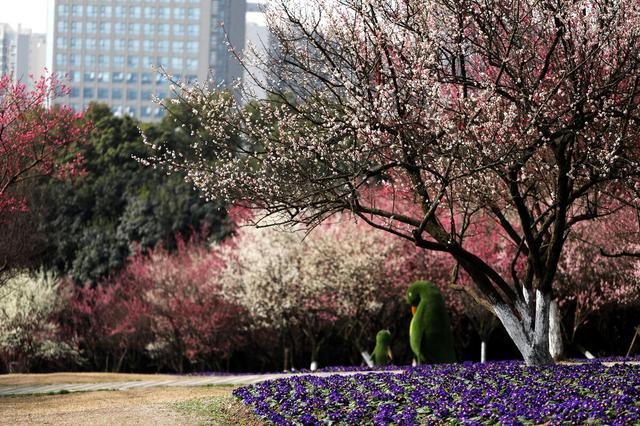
[22,53]
[258,40]
[108,48]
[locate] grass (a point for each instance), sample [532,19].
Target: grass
[50,393]
[219,410]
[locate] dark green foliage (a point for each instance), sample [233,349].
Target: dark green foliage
[430,334]
[94,222]
[382,352]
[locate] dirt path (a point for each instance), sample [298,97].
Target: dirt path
[51,378]
[133,407]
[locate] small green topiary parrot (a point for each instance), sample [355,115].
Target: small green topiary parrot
[382,352]
[430,335]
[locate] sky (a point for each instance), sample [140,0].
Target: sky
[30,13]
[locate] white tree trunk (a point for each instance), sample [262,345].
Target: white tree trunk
[532,342]
[555,332]
[483,351]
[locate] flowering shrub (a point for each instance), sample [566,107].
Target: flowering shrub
[506,393]
[339,279]
[166,306]
[29,332]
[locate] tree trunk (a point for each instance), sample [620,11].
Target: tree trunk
[555,332]
[530,330]
[483,351]
[315,350]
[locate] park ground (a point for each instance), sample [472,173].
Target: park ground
[140,406]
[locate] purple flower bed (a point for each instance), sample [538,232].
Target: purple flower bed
[506,393]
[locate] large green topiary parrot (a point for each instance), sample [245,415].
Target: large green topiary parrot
[430,334]
[382,352]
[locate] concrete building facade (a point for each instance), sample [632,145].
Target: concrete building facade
[108,48]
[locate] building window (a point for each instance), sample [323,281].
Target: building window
[87,92]
[119,11]
[135,12]
[76,27]
[74,93]
[91,11]
[178,29]
[116,94]
[145,95]
[145,78]
[103,77]
[76,10]
[103,93]
[163,29]
[148,45]
[162,61]
[193,30]
[104,44]
[119,28]
[62,26]
[177,63]
[61,59]
[103,60]
[74,43]
[132,61]
[130,111]
[193,13]
[178,13]
[63,10]
[134,29]
[132,77]
[132,95]
[191,64]
[90,43]
[163,13]
[191,46]
[145,111]
[117,77]
[74,60]
[90,60]
[148,28]
[133,45]
[118,44]
[74,76]
[91,27]
[149,61]
[149,12]
[105,11]
[61,42]
[177,47]
[118,61]
[105,27]
[163,45]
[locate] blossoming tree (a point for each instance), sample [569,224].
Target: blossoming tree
[339,279]
[33,138]
[526,112]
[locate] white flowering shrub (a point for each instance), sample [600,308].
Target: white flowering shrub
[335,279]
[29,332]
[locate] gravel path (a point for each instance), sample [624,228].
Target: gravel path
[160,381]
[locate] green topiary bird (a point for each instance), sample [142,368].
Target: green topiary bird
[382,352]
[430,334]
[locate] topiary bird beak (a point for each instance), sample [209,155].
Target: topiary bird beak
[413,310]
